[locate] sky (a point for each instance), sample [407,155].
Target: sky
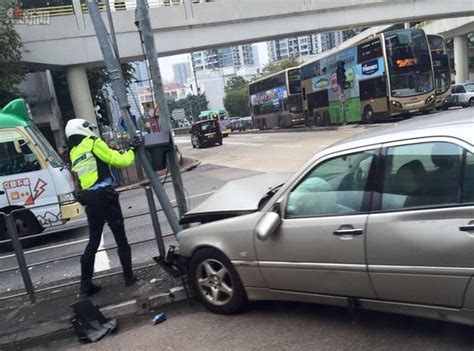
[167,62]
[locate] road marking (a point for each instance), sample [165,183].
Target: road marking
[47,248]
[241,143]
[182,141]
[102,262]
[287,145]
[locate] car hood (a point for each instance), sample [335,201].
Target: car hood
[236,198]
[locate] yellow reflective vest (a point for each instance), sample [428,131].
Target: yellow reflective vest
[84,162]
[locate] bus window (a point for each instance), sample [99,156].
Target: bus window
[409,63]
[369,51]
[310,70]
[294,81]
[318,100]
[373,88]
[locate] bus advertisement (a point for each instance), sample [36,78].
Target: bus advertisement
[442,71]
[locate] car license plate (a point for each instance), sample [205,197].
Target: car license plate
[210,136]
[413,111]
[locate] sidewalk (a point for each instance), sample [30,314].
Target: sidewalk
[20,320]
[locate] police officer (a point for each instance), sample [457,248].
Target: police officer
[90,160]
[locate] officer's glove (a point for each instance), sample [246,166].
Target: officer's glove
[136,141]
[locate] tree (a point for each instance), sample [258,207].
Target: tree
[192,104]
[277,66]
[12,71]
[236,100]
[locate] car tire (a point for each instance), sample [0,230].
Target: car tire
[368,116]
[471,102]
[220,142]
[215,282]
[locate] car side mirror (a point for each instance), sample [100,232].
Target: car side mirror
[267,225]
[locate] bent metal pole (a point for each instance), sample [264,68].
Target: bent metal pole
[118,86]
[144,24]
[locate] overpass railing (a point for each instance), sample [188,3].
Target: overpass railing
[67,10]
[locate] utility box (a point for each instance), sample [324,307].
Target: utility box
[158,145]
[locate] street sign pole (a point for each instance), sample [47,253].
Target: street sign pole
[120,90]
[143,22]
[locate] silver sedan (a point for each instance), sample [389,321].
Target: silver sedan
[381,221]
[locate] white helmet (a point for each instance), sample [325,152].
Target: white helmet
[79,126]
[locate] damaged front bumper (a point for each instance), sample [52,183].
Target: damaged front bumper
[173,263]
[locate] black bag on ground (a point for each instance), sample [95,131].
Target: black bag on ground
[89,323]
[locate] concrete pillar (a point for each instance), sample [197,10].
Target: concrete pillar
[80,93]
[461,63]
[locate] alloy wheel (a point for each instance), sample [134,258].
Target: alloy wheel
[214,282]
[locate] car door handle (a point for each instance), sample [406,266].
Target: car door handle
[467,228]
[2,192]
[348,232]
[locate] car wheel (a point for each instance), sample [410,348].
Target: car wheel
[471,102]
[220,142]
[368,115]
[215,282]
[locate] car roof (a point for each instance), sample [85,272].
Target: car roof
[204,121]
[457,124]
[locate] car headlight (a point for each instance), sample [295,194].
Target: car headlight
[67,197]
[429,99]
[397,104]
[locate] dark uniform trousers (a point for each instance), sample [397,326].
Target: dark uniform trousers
[103,206]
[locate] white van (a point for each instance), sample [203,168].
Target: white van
[32,175]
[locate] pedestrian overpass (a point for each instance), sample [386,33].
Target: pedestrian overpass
[67,39]
[70,39]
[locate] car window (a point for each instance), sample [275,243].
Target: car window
[470,87]
[454,89]
[468,191]
[336,186]
[461,89]
[421,175]
[15,155]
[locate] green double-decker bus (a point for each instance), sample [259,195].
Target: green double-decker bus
[386,75]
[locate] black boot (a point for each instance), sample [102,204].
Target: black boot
[88,288]
[87,271]
[129,278]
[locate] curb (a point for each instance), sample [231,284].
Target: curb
[113,311]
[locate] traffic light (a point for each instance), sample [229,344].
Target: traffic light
[102,112]
[341,75]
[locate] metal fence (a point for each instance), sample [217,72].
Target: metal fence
[15,241]
[67,10]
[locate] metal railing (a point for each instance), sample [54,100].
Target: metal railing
[67,10]
[24,268]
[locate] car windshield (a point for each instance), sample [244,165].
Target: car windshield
[208,126]
[470,87]
[45,146]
